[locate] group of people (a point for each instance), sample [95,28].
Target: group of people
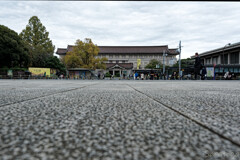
[199,67]
[228,75]
[148,76]
[99,76]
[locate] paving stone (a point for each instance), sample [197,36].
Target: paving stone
[110,120]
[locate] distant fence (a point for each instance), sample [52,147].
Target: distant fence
[185,77]
[44,77]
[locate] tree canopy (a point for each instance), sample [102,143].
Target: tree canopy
[54,62]
[84,55]
[38,42]
[184,63]
[13,52]
[152,64]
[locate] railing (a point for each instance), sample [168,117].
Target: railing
[185,77]
[44,77]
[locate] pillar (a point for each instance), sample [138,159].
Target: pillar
[228,58]
[239,58]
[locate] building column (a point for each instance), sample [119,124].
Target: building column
[211,62]
[239,58]
[228,58]
[113,72]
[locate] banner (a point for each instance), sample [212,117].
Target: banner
[9,73]
[138,63]
[53,71]
[210,71]
[39,71]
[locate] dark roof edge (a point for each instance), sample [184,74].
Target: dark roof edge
[61,48]
[135,46]
[234,45]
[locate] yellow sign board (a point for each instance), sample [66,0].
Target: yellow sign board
[138,63]
[39,71]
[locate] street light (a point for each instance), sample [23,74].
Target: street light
[164,55]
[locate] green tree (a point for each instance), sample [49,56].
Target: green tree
[84,56]
[152,64]
[71,60]
[185,63]
[54,62]
[38,42]
[13,52]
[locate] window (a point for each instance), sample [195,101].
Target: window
[216,69]
[117,61]
[110,61]
[221,70]
[215,60]
[234,58]
[225,57]
[235,70]
[208,61]
[123,61]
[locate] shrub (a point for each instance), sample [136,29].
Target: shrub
[117,75]
[107,74]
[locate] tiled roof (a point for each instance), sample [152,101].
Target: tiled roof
[132,49]
[61,51]
[173,51]
[220,50]
[123,65]
[129,49]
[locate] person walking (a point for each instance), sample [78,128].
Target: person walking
[197,66]
[98,75]
[142,76]
[136,75]
[204,72]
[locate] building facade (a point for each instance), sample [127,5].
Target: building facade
[223,59]
[123,59]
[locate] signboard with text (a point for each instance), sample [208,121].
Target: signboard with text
[39,71]
[210,71]
[9,73]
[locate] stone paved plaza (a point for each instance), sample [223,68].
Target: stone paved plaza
[119,119]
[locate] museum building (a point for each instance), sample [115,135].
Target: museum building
[124,59]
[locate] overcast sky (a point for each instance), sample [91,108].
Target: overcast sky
[201,26]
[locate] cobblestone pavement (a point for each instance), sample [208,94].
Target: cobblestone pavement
[112,119]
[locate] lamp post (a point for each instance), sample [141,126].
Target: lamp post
[180,73]
[164,55]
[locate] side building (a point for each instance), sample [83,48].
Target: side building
[223,59]
[123,59]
